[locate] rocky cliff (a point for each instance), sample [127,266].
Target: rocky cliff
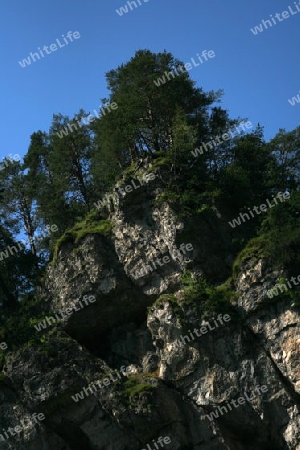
[131,358]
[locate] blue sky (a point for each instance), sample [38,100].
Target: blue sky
[258,73]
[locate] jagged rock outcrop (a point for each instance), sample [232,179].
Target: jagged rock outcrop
[167,386]
[231,361]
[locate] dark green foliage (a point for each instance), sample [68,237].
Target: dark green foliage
[69,159]
[246,179]
[281,229]
[285,148]
[278,238]
[17,270]
[146,118]
[59,171]
[17,201]
[211,299]
[16,325]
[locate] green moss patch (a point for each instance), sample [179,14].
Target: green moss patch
[91,225]
[135,387]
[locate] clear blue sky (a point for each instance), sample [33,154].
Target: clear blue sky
[258,73]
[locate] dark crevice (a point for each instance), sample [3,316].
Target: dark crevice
[71,434]
[99,345]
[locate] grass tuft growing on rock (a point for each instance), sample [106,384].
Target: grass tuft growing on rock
[90,225]
[197,293]
[136,391]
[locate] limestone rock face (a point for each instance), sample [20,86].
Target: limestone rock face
[92,269]
[109,268]
[233,387]
[262,348]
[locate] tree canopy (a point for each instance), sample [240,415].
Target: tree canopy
[73,164]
